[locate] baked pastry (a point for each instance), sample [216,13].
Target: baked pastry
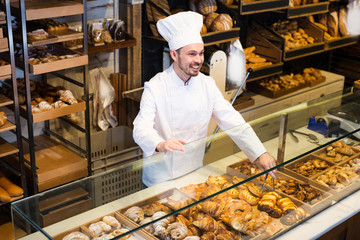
[161,225]
[135,213]
[207,223]
[154,207]
[210,18]
[177,230]
[111,221]
[221,23]
[37,34]
[206,6]
[76,236]
[149,228]
[3,118]
[226,2]
[67,96]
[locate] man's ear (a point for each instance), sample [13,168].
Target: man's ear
[173,54]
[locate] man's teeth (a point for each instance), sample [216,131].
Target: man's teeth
[196,67]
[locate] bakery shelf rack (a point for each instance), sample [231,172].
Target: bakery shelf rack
[112,46]
[252,7]
[7,72]
[35,10]
[307,9]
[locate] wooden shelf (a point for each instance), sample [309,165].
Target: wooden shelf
[8,126]
[308,9]
[55,113]
[341,42]
[55,164]
[212,38]
[6,148]
[252,7]
[55,37]
[49,9]
[111,46]
[4,101]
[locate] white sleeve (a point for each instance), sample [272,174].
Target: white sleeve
[231,122]
[144,134]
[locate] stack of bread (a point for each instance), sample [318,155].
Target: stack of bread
[48,25]
[253,60]
[294,35]
[333,23]
[8,190]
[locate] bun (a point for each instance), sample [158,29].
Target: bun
[206,6]
[3,118]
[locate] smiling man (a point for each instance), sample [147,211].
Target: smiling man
[177,104]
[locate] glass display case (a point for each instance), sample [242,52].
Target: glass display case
[227,196]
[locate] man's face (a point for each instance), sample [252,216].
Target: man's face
[189,60]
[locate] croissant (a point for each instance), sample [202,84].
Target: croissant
[45,106]
[338,144]
[346,150]
[219,180]
[135,213]
[207,224]
[260,222]
[237,222]
[193,230]
[177,230]
[210,190]
[160,226]
[149,210]
[181,219]
[248,197]
[59,104]
[67,96]
[148,228]
[176,205]
[111,221]
[224,234]
[286,205]
[212,208]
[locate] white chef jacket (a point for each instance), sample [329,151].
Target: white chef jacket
[170,108]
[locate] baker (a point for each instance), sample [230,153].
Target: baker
[176,107]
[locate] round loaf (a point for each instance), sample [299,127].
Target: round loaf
[221,23]
[210,18]
[206,6]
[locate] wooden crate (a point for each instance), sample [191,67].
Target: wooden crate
[266,49]
[75,229]
[59,65]
[322,154]
[251,7]
[257,88]
[279,41]
[3,43]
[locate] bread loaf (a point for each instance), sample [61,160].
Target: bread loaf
[4,196]
[333,23]
[210,18]
[206,6]
[342,21]
[226,2]
[221,23]
[3,118]
[192,5]
[12,189]
[323,19]
[203,29]
[154,15]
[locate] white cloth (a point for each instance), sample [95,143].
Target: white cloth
[171,109]
[181,29]
[236,64]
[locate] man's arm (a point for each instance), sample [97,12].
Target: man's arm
[265,162]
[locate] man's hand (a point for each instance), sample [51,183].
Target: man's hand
[264,162]
[170,145]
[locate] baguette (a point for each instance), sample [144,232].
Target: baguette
[333,23]
[12,189]
[342,21]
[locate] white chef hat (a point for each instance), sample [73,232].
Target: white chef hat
[181,29]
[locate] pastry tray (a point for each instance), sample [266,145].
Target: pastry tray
[337,194]
[257,88]
[322,154]
[323,203]
[75,229]
[173,193]
[287,168]
[140,234]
